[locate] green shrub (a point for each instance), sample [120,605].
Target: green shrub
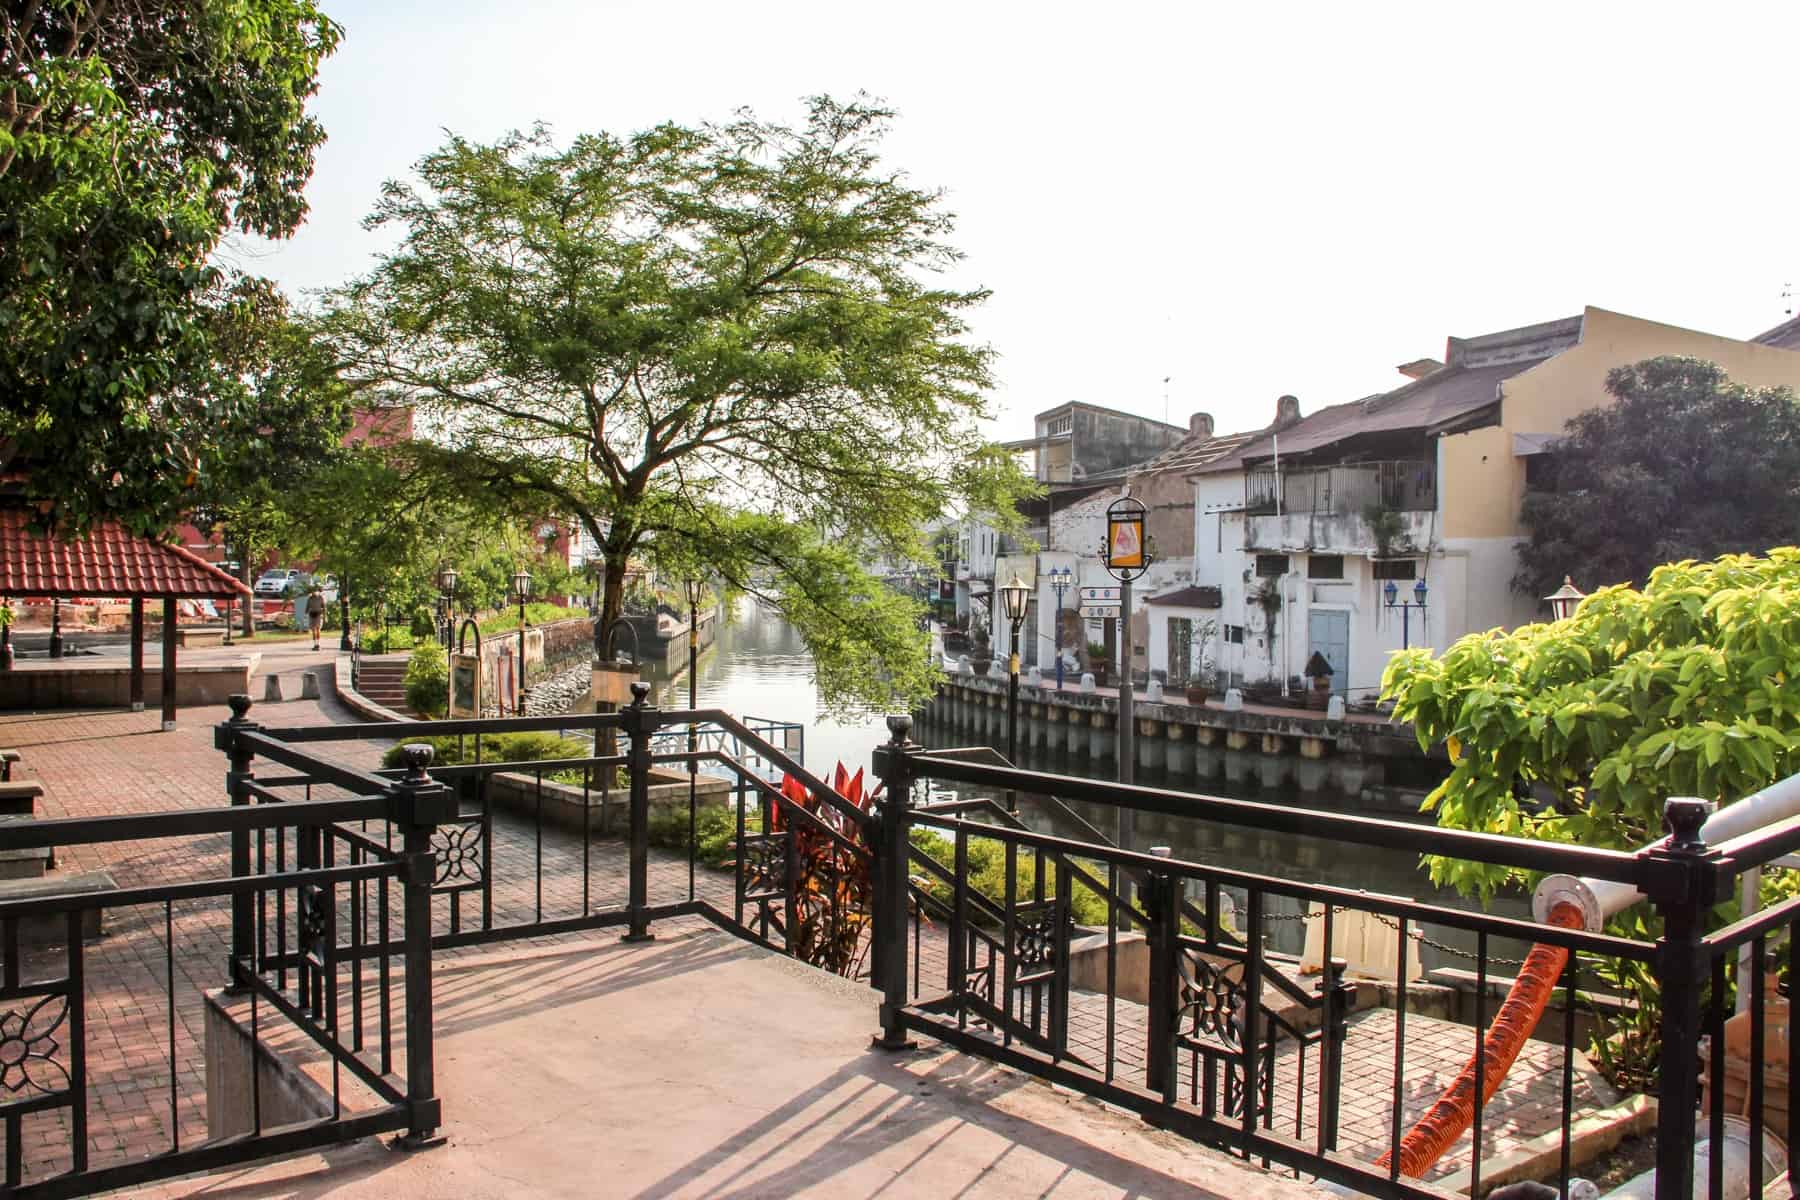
[424,623]
[496,747]
[987,875]
[428,680]
[538,612]
[715,832]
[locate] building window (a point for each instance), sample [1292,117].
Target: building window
[1396,568]
[1270,565]
[1057,426]
[1324,566]
[1234,635]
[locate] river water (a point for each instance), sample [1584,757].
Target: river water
[759,668]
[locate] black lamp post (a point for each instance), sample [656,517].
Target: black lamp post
[521,586]
[1392,592]
[1061,580]
[1014,596]
[1126,553]
[230,568]
[1565,599]
[56,645]
[446,583]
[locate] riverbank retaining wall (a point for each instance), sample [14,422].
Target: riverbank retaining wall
[1377,764]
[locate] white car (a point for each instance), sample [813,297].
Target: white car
[273,585]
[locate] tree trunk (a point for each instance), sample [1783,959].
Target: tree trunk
[612,595]
[249,604]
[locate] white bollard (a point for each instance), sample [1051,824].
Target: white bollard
[1234,700]
[271,688]
[1334,711]
[1154,693]
[1034,677]
[1087,681]
[309,686]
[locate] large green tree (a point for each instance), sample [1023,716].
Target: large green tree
[727,336]
[133,136]
[1685,464]
[289,414]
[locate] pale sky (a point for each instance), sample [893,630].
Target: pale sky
[1252,199]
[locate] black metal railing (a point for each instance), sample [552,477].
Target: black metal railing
[1221,1049]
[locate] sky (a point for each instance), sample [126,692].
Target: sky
[1245,200]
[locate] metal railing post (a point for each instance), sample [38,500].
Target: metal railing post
[1338,996]
[640,720]
[887,949]
[419,805]
[1683,892]
[237,780]
[1162,904]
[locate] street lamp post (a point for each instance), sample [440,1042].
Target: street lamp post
[56,639]
[1392,592]
[446,582]
[521,583]
[1126,553]
[1565,599]
[1061,580]
[1014,595]
[693,599]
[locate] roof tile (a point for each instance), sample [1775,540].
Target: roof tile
[106,561]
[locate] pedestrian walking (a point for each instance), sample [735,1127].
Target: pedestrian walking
[315,613]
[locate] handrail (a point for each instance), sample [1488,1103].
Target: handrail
[1452,918]
[1490,848]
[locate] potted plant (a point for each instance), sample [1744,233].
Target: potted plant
[1200,683]
[982,657]
[1098,663]
[1319,671]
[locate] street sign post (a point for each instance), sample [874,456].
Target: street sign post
[1096,612]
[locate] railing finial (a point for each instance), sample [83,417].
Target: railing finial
[417,756]
[900,726]
[1684,815]
[239,703]
[640,694]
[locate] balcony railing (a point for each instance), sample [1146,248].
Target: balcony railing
[1404,485]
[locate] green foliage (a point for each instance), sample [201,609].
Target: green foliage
[495,748]
[538,612]
[987,875]
[424,622]
[715,832]
[1685,688]
[1386,526]
[1686,464]
[428,680]
[132,138]
[653,332]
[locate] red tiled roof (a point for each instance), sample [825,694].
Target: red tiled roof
[106,561]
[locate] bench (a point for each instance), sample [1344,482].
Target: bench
[7,759]
[199,637]
[52,928]
[20,799]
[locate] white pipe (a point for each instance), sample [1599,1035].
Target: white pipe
[1599,899]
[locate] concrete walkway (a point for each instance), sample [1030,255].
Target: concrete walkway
[700,1066]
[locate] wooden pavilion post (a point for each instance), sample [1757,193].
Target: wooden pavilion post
[137,654]
[168,664]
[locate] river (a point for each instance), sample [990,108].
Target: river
[759,667]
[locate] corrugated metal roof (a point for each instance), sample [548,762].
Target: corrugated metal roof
[1785,336]
[1440,396]
[1200,596]
[107,561]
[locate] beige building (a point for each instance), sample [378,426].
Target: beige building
[1302,532]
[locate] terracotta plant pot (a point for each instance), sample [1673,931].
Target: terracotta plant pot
[1196,695]
[980,665]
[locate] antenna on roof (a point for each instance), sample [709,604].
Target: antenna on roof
[1787,296]
[1166,379]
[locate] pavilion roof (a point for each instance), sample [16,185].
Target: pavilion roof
[108,560]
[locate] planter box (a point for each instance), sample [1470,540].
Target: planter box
[607,812]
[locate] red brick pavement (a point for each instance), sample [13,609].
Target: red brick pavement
[113,762]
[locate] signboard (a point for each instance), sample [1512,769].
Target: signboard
[1125,542]
[1091,595]
[465,685]
[1096,612]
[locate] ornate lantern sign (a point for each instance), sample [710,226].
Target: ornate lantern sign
[1126,554]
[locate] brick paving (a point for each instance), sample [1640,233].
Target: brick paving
[94,763]
[112,762]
